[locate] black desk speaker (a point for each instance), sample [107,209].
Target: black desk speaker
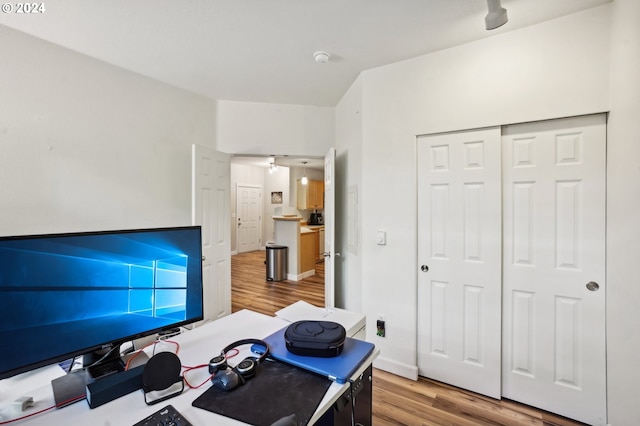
[108,388]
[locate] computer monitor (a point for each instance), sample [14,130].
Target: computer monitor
[65,295]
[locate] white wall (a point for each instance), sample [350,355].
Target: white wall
[86,146]
[555,69]
[580,64]
[274,129]
[623,219]
[278,181]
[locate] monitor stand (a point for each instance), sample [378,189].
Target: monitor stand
[70,388]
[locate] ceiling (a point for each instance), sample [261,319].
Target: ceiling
[313,163]
[262,50]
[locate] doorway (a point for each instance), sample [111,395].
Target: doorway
[276,179]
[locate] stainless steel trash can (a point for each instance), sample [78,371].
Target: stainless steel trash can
[276,262]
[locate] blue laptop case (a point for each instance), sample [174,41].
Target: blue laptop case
[338,368]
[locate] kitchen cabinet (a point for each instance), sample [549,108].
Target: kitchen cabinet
[318,239]
[311,195]
[308,249]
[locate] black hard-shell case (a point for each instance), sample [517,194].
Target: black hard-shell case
[323,339]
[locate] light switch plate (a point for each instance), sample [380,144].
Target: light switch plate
[381,238]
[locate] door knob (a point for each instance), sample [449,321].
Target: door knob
[593,286]
[424,268]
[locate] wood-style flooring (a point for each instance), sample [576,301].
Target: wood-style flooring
[396,400]
[251,290]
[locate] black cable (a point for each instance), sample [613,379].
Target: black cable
[353,403]
[105,356]
[73,361]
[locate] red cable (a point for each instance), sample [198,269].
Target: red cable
[80,397]
[69,401]
[126,367]
[187,369]
[233,352]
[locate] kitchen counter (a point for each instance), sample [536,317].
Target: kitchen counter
[301,242]
[306,229]
[287,218]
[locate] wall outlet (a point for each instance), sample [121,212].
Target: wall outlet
[381,330]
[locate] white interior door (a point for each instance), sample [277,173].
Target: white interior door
[329,228]
[459,250]
[554,270]
[249,219]
[211,173]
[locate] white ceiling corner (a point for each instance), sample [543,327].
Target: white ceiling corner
[262,50]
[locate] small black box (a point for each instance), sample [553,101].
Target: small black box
[113,386]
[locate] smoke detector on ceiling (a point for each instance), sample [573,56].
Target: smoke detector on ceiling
[321,57]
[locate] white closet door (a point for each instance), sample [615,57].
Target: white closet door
[554,266]
[459,255]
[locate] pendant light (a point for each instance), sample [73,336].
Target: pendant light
[497,15]
[304,179]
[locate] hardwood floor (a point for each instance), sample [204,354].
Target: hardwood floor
[396,400]
[251,290]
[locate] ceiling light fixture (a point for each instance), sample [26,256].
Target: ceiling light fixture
[321,57]
[304,179]
[272,165]
[497,15]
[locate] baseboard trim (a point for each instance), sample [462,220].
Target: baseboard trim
[397,368]
[292,277]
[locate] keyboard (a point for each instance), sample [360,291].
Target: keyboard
[166,416]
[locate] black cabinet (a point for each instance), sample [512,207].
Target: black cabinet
[354,402]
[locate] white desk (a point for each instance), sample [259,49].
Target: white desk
[197,347]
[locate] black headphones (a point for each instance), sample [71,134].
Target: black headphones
[227,378]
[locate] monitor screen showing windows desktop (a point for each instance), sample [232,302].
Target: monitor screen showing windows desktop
[64,295]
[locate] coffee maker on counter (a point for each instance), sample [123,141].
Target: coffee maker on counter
[316,218]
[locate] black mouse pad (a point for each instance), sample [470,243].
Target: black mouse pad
[278,390]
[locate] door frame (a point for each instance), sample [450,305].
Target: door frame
[330,253]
